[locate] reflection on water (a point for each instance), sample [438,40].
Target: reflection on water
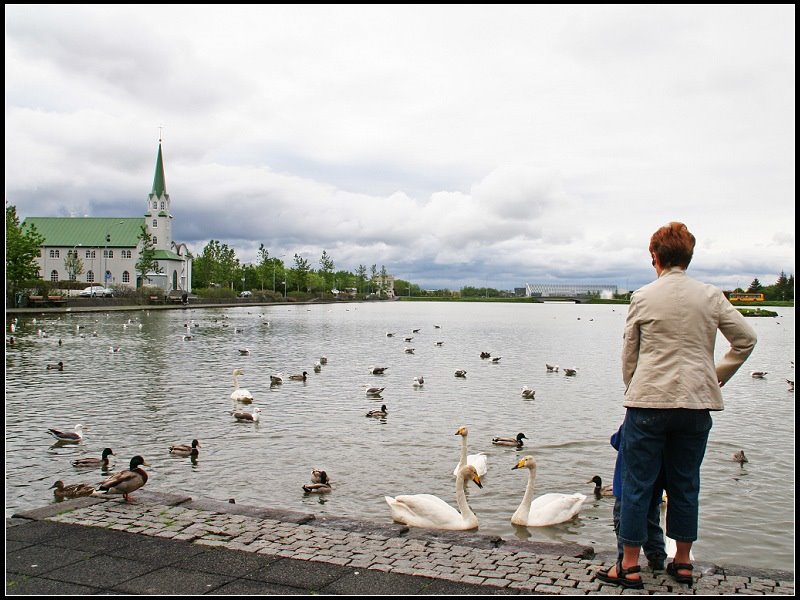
[171,382]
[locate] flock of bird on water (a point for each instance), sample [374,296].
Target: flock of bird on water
[415,510]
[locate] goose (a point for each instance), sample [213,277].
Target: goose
[241,415]
[276,379]
[240,394]
[298,377]
[374,392]
[528,393]
[547,509]
[68,436]
[551,368]
[75,490]
[378,413]
[506,441]
[601,490]
[128,481]
[184,450]
[323,486]
[570,372]
[476,460]
[58,367]
[426,510]
[739,457]
[377,370]
[461,373]
[758,374]
[94,461]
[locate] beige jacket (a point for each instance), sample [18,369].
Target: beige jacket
[668,346]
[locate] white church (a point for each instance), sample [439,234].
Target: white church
[108,247]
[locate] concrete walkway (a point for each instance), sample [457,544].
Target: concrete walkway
[164,544]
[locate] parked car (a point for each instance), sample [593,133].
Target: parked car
[97,291]
[245,294]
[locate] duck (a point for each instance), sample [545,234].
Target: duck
[75,490]
[244,351]
[241,415]
[92,461]
[317,367]
[461,373]
[114,349]
[317,475]
[378,370]
[378,413]
[323,486]
[427,510]
[408,338]
[390,333]
[128,481]
[409,350]
[601,490]
[551,368]
[739,457]
[240,394]
[528,393]
[276,379]
[486,355]
[506,441]
[323,360]
[418,382]
[374,392]
[184,450]
[59,366]
[299,377]
[758,374]
[439,343]
[790,383]
[496,360]
[570,372]
[547,509]
[68,436]
[476,460]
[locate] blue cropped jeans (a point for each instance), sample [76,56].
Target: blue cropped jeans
[678,436]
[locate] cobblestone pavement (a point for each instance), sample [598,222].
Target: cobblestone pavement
[375,559]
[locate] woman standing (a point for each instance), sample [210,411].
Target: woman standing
[671,385]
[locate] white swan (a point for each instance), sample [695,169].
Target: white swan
[547,509]
[476,460]
[426,510]
[240,394]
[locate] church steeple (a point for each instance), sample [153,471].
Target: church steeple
[159,182]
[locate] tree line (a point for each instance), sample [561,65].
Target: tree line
[783,289]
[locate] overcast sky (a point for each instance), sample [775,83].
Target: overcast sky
[454,145]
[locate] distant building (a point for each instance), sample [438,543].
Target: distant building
[570,290]
[108,247]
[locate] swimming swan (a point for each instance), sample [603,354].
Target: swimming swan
[426,510]
[476,460]
[240,394]
[547,509]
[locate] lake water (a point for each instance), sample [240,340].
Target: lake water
[160,389]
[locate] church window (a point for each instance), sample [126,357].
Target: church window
[126,277]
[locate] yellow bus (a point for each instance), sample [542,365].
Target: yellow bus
[746,297]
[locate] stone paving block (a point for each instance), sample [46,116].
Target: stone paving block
[18,584]
[100,571]
[40,559]
[172,581]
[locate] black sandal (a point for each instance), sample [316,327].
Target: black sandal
[621,579]
[673,568]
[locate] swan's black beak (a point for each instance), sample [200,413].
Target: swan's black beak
[515,467]
[477,481]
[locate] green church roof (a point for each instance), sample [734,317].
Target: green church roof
[88,231]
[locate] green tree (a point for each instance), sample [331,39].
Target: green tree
[326,270]
[373,271]
[263,268]
[755,286]
[23,247]
[147,263]
[73,264]
[300,272]
[384,280]
[361,275]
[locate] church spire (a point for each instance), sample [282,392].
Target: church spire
[159,182]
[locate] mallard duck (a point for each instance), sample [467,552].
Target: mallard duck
[59,366]
[323,486]
[75,490]
[528,393]
[739,457]
[93,461]
[439,343]
[298,377]
[408,338]
[185,450]
[68,436]
[506,441]
[127,481]
[377,370]
[461,373]
[240,394]
[601,490]
[241,415]
[426,510]
[374,392]
[323,360]
[244,351]
[409,350]
[551,368]
[758,374]
[476,460]
[547,509]
[570,372]
[317,474]
[496,359]
[486,355]
[378,413]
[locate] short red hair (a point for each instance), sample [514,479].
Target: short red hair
[673,244]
